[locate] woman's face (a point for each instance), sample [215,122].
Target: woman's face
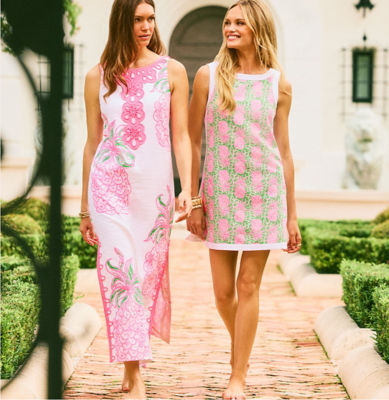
[237,33]
[144,23]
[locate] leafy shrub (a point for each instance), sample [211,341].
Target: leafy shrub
[20,312]
[380,314]
[37,243]
[35,208]
[20,308]
[382,216]
[10,262]
[353,227]
[23,223]
[328,248]
[381,230]
[360,279]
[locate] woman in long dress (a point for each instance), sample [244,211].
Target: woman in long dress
[128,199]
[248,179]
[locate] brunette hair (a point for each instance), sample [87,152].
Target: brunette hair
[259,18]
[121,48]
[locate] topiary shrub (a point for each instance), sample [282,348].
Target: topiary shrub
[22,223]
[360,279]
[20,307]
[20,312]
[37,243]
[35,208]
[380,316]
[382,216]
[381,230]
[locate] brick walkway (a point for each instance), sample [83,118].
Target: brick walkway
[287,360]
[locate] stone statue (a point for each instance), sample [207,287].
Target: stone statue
[365,148]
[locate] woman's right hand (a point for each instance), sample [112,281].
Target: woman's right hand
[87,232]
[195,223]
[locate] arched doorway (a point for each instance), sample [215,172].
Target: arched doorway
[195,41]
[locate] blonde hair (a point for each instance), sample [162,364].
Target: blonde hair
[259,19]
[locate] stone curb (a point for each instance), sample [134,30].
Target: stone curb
[306,281]
[78,327]
[364,373]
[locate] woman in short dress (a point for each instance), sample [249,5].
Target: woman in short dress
[127,203]
[247,188]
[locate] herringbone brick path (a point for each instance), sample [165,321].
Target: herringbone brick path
[287,361]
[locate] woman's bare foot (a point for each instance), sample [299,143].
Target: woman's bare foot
[132,381]
[235,389]
[232,365]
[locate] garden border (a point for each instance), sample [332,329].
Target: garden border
[362,370]
[78,327]
[306,281]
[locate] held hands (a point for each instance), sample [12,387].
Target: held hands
[87,231]
[184,205]
[294,242]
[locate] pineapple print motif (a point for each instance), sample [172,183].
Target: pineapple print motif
[127,313]
[109,182]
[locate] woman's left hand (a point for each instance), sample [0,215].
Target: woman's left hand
[184,205]
[294,242]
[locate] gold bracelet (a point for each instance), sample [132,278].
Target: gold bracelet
[197,206]
[84,214]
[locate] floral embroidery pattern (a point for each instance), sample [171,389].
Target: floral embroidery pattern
[156,262]
[124,284]
[244,189]
[132,112]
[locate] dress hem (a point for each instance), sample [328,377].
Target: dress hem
[252,246]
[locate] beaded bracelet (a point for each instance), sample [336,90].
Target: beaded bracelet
[84,214]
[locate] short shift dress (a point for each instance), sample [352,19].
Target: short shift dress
[243,186]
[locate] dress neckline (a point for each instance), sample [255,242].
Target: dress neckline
[159,59]
[255,76]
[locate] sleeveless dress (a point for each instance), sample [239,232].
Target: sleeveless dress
[243,186]
[131,202]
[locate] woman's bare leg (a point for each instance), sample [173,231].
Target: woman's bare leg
[132,381]
[223,266]
[246,319]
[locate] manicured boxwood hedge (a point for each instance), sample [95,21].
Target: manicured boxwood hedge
[21,304]
[360,279]
[358,228]
[380,313]
[328,248]
[366,294]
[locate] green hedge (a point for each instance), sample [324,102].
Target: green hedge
[75,244]
[35,208]
[381,230]
[382,216]
[380,313]
[360,279]
[328,248]
[20,307]
[353,227]
[23,224]
[37,243]
[20,312]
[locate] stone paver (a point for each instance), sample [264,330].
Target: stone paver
[287,361]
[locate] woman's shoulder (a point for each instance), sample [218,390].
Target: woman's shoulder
[176,66]
[94,73]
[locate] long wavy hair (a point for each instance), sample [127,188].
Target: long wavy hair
[121,48]
[259,19]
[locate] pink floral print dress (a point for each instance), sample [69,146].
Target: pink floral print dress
[243,185]
[131,200]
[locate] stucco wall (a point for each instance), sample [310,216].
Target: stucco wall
[311,35]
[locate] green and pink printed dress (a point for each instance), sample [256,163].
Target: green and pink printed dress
[243,184]
[131,202]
